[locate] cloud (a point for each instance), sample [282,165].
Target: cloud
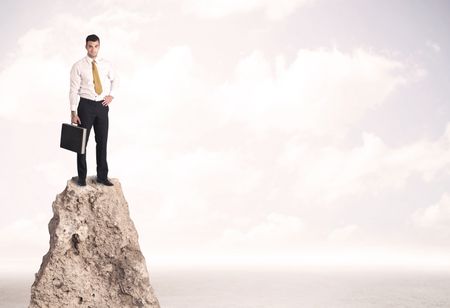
[343,233]
[221,8]
[434,46]
[322,92]
[275,230]
[259,136]
[328,173]
[434,216]
[18,238]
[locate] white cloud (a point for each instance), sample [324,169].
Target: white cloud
[322,92]
[328,173]
[274,10]
[259,99]
[275,230]
[434,46]
[343,233]
[18,238]
[434,216]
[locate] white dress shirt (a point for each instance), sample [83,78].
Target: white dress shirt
[82,81]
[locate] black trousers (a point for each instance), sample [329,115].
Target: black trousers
[93,113]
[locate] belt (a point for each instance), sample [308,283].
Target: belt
[90,100]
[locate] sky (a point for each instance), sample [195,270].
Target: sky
[244,133]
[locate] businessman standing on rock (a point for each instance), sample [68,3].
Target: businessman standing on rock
[92,84]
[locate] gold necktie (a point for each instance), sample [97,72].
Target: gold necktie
[97,83]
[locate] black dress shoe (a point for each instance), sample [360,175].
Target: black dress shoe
[105,182]
[80,182]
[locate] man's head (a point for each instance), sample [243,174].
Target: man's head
[92,45]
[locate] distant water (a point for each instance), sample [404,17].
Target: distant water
[277,289]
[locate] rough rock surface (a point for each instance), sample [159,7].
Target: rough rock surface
[94,258]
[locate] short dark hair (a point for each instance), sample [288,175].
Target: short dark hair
[92,38]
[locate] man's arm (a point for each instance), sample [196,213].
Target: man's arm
[75,82]
[114,79]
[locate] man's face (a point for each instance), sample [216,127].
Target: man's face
[92,48]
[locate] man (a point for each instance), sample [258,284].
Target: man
[94,81]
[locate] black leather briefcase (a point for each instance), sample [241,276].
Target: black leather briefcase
[73,138]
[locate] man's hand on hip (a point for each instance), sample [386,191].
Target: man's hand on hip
[108,100]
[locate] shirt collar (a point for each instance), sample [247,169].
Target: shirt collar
[89,59]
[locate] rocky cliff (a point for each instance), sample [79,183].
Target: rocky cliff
[94,258]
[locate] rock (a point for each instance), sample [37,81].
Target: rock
[94,258]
